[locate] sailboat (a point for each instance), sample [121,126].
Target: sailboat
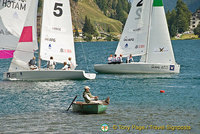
[145,34]
[56,41]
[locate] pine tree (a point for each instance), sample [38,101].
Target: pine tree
[171,19]
[88,27]
[76,32]
[178,19]
[183,16]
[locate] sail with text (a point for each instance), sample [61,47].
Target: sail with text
[134,38]
[57,34]
[12,18]
[28,41]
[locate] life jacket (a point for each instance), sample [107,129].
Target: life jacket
[89,94]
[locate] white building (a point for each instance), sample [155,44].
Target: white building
[195,20]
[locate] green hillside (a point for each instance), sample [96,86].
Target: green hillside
[98,19]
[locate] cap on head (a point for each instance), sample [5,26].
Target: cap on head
[86,87]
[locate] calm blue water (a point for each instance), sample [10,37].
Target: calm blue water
[40,107]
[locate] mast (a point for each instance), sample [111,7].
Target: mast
[148,35]
[39,59]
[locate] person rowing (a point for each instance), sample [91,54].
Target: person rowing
[89,98]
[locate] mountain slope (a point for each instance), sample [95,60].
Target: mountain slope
[98,19]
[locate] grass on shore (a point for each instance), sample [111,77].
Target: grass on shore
[186,37]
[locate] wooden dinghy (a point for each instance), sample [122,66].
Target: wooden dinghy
[89,108]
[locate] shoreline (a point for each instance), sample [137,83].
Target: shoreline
[181,37]
[118,41]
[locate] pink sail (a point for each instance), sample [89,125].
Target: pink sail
[26,35]
[5,54]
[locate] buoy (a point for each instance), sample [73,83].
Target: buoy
[162,91]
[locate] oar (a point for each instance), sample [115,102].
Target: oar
[72,103]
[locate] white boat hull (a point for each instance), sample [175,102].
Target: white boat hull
[136,67]
[45,75]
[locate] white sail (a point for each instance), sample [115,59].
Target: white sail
[12,18]
[57,34]
[135,34]
[160,47]
[158,56]
[27,42]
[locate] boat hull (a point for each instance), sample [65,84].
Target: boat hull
[134,68]
[89,108]
[45,75]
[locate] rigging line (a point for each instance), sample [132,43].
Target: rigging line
[84,56]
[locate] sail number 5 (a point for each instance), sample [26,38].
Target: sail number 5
[58,9]
[139,10]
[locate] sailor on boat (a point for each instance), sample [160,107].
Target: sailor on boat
[66,67]
[110,59]
[70,64]
[51,63]
[129,59]
[89,98]
[119,59]
[32,64]
[114,59]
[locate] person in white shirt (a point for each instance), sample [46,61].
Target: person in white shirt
[119,59]
[70,64]
[114,59]
[66,67]
[51,63]
[110,59]
[129,59]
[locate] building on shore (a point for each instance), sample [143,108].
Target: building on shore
[195,20]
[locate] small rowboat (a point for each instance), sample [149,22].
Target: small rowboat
[89,108]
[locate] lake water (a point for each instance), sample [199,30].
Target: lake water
[40,107]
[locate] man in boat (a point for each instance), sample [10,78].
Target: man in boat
[32,64]
[66,67]
[110,59]
[119,59]
[89,98]
[51,63]
[114,59]
[70,64]
[129,59]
